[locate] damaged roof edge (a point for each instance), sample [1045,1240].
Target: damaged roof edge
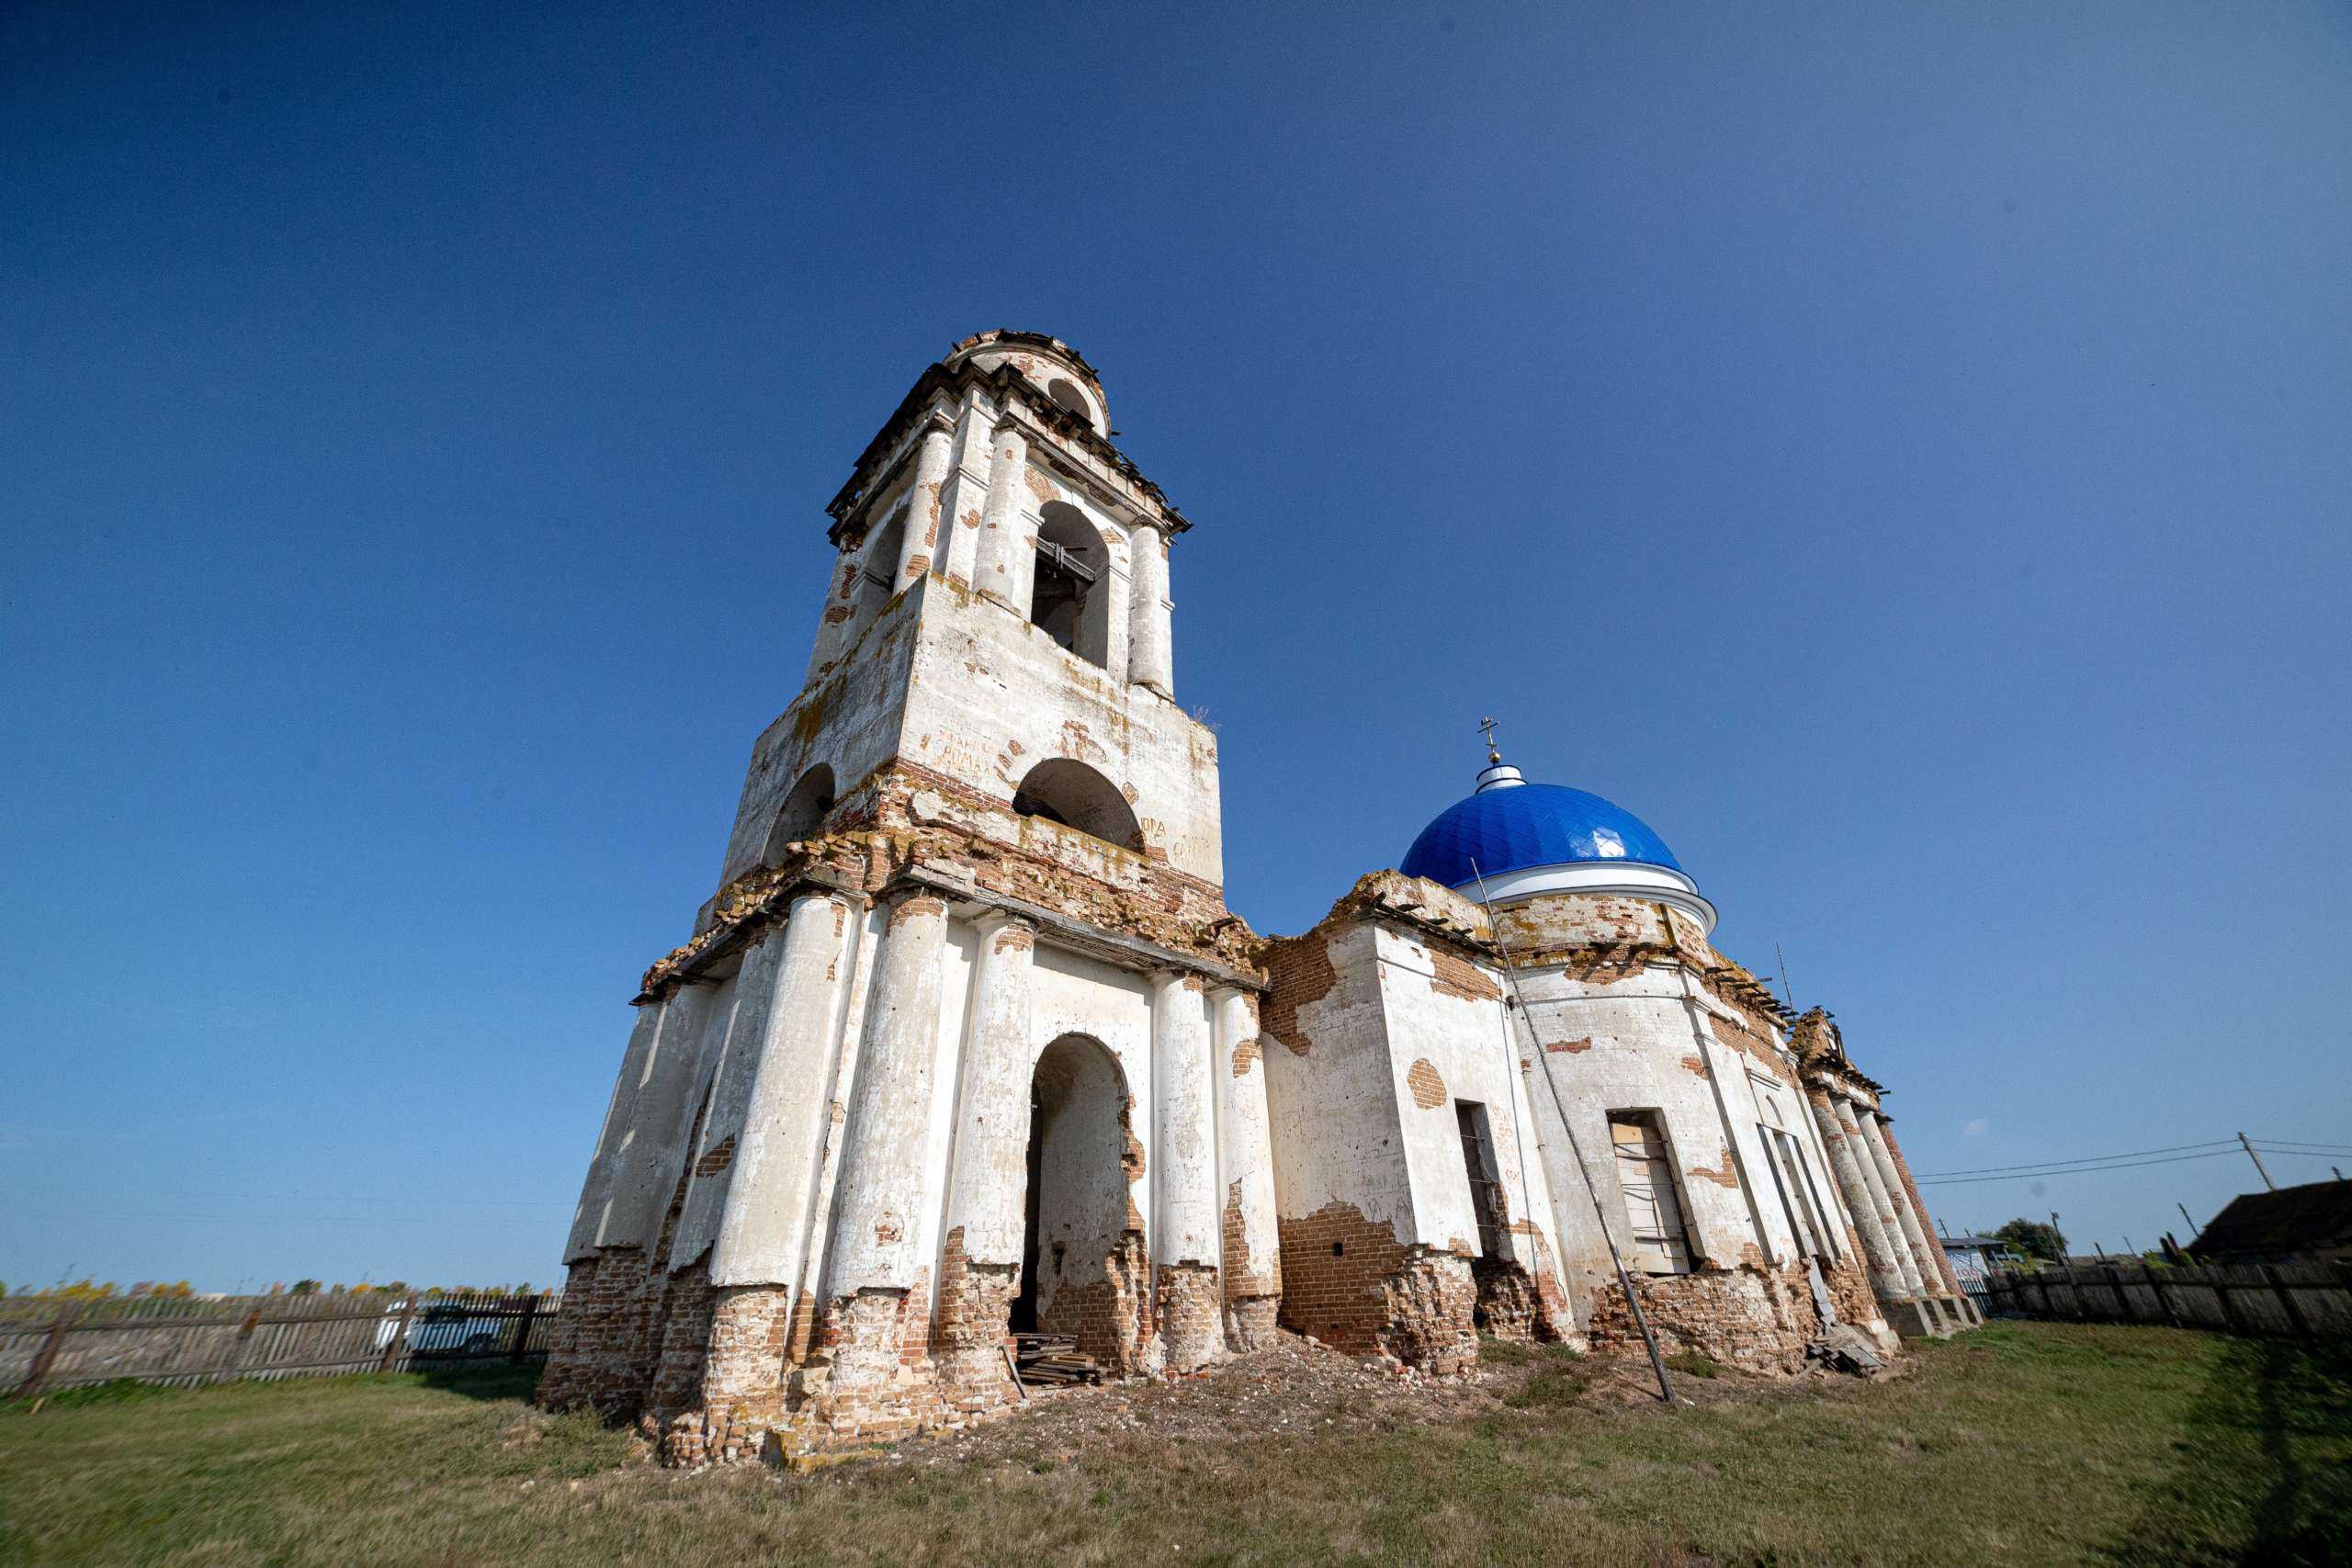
[1070,426]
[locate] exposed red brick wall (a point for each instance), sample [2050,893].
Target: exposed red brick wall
[1350,1284]
[971,1331]
[1299,972]
[1757,1319]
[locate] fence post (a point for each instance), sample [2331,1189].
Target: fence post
[47,1355]
[2222,1289]
[2294,1309]
[245,1345]
[396,1346]
[2122,1301]
[523,1327]
[2155,1282]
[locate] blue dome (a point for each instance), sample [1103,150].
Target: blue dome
[1516,827]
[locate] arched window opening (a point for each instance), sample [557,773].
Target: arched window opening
[802,814]
[1065,394]
[878,567]
[1071,597]
[1070,793]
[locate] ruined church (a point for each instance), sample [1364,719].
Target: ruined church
[967,1045]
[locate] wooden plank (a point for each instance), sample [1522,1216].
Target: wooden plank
[46,1357]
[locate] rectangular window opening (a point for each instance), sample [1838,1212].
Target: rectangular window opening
[1653,1216]
[1486,1181]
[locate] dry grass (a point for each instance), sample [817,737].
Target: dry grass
[2025,1443]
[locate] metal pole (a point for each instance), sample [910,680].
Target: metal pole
[2257,1162]
[1575,1150]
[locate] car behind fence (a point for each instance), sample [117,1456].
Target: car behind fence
[48,1344]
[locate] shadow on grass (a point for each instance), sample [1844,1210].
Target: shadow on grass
[2265,1472]
[481,1380]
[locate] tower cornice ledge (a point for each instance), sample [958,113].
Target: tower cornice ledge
[1005,381]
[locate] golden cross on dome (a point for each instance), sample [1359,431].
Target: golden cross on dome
[1494,758]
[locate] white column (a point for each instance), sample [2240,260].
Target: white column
[1845,1165]
[1896,1244]
[1898,1198]
[620,1121]
[919,540]
[763,1223]
[992,1178]
[1008,559]
[1251,1254]
[1149,661]
[839,617]
[734,1052]
[1182,1161]
[654,1149]
[880,1185]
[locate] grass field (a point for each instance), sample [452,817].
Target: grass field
[2022,1443]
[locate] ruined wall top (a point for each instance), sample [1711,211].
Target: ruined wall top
[1056,368]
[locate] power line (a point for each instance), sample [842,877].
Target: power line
[2087,1159]
[2302,1148]
[2030,1175]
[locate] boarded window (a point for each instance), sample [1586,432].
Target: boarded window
[1485,1186]
[1661,1244]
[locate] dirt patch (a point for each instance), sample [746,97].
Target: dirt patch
[1298,1386]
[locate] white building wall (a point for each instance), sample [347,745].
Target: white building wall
[1453,1020]
[1333,1107]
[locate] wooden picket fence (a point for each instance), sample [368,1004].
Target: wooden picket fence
[2311,1299]
[47,1343]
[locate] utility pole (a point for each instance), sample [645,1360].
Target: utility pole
[2257,1163]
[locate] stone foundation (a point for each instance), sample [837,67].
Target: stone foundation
[871,1379]
[740,1379]
[1112,1318]
[969,1337]
[1251,1323]
[607,1337]
[1756,1320]
[1510,1305]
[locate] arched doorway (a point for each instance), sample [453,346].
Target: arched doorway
[1083,1268]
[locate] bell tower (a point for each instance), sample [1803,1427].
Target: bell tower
[999,604]
[966,1043]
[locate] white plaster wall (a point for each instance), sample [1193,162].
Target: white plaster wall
[1334,1112]
[991,696]
[1462,1039]
[849,721]
[1641,1055]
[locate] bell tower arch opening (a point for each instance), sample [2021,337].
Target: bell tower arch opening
[1063,790]
[1070,596]
[802,813]
[1084,1271]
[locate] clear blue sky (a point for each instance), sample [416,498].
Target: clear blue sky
[1905,458]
